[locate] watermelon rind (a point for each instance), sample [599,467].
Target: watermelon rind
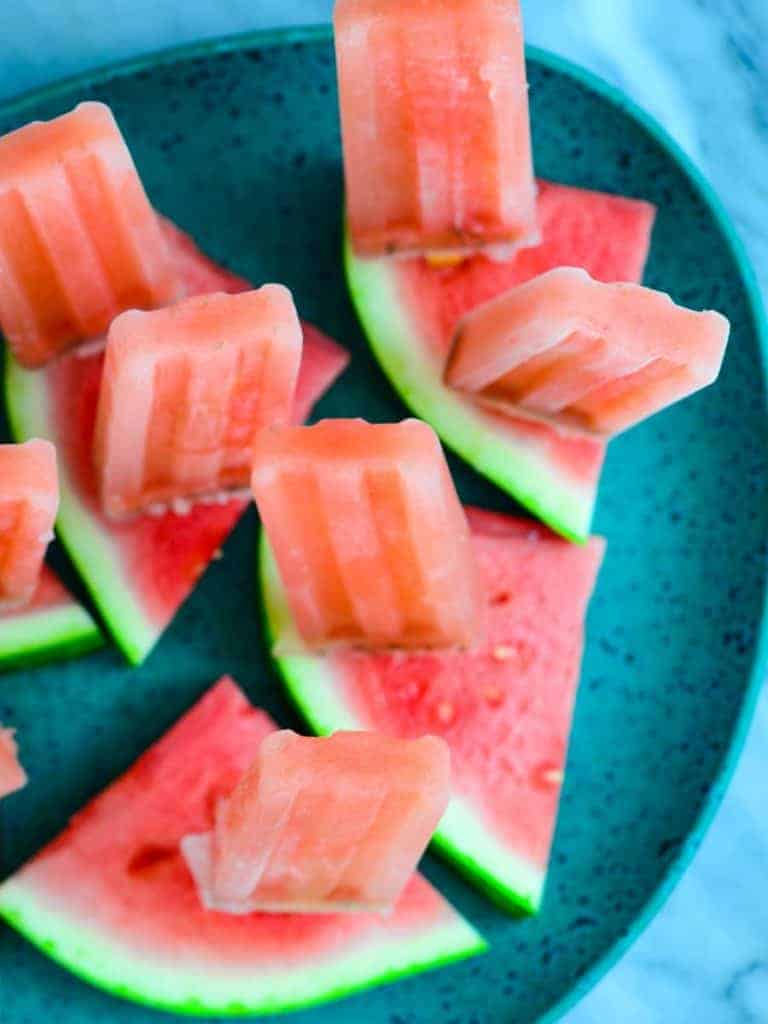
[462,838]
[89,546]
[47,634]
[521,470]
[220,989]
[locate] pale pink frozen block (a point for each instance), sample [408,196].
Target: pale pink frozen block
[323,825]
[186,390]
[585,354]
[79,240]
[370,539]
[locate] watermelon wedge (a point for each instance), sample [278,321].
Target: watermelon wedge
[138,572]
[12,775]
[504,708]
[409,310]
[52,626]
[113,900]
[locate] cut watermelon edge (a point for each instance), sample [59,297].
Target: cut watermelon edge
[94,958]
[462,838]
[91,551]
[394,340]
[67,631]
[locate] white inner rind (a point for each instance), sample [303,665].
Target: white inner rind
[463,834]
[520,469]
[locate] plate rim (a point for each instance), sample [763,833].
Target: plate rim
[313,33]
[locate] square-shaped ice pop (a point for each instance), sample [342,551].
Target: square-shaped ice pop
[79,241]
[435,125]
[585,354]
[186,390]
[29,501]
[370,539]
[323,825]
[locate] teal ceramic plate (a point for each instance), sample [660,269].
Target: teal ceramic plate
[239,142]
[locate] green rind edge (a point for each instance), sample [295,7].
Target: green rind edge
[437,946]
[91,551]
[296,678]
[60,633]
[394,340]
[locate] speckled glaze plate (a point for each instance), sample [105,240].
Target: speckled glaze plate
[239,142]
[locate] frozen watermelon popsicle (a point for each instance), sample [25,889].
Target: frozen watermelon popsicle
[186,390]
[29,501]
[435,125]
[323,825]
[370,539]
[79,240]
[585,354]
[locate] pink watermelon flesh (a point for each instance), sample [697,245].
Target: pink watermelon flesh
[158,559]
[411,308]
[52,625]
[504,708]
[12,775]
[113,900]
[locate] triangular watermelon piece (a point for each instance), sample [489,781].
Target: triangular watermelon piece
[113,900]
[409,311]
[505,708]
[138,572]
[52,626]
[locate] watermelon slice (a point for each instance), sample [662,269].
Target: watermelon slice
[52,626]
[504,708]
[79,241]
[587,355]
[410,309]
[138,572]
[112,899]
[434,113]
[318,826]
[12,775]
[367,529]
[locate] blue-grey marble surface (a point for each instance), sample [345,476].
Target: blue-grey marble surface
[701,66]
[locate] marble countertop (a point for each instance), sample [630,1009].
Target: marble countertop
[701,66]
